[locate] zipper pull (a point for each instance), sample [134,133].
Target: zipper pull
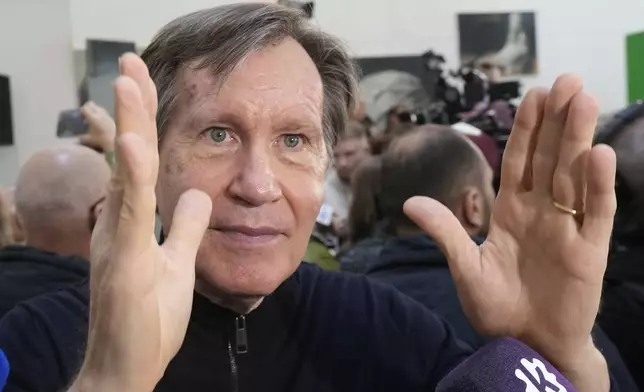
[242,337]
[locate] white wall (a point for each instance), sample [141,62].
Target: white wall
[580,36]
[585,37]
[36,38]
[130,20]
[36,52]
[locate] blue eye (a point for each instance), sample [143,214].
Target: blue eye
[292,141]
[218,135]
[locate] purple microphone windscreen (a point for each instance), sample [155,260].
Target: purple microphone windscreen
[4,370]
[505,365]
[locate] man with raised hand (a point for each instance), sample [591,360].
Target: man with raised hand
[234,156]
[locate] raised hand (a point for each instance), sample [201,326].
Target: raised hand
[102,128]
[141,293]
[538,276]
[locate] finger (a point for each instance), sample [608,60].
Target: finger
[86,140]
[86,109]
[546,152]
[189,223]
[516,168]
[129,111]
[133,66]
[136,216]
[442,226]
[154,99]
[131,116]
[569,181]
[601,202]
[136,164]
[109,218]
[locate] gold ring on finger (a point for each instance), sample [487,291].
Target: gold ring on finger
[567,210]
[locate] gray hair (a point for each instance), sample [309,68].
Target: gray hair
[220,38]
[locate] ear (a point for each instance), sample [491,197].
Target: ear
[19,234]
[473,210]
[97,210]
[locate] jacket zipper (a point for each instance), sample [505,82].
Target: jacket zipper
[242,337]
[241,347]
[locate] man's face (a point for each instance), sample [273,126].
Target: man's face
[348,154]
[256,147]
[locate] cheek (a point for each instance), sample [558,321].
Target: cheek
[178,174]
[304,192]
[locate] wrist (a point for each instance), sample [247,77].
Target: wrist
[86,383]
[588,371]
[90,380]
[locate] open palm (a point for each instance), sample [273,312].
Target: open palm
[538,275]
[141,293]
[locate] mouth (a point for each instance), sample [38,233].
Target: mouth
[246,235]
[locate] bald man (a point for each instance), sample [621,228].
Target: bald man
[58,197]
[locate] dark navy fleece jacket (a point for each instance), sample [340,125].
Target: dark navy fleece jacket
[320,331]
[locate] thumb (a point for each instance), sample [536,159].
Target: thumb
[189,223]
[85,139]
[442,226]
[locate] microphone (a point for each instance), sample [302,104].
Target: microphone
[4,370]
[505,365]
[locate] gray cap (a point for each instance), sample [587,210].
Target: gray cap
[388,90]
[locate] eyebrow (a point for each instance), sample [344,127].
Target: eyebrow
[208,117]
[298,124]
[200,119]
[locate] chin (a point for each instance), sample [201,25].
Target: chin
[245,272]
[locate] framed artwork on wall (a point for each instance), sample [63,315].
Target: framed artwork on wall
[504,41]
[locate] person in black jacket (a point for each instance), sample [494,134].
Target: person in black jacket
[366,235]
[622,312]
[58,196]
[297,340]
[437,162]
[233,152]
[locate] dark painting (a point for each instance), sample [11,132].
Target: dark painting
[506,41]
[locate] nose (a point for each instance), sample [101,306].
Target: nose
[255,183]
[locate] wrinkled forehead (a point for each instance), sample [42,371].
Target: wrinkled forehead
[280,74]
[197,83]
